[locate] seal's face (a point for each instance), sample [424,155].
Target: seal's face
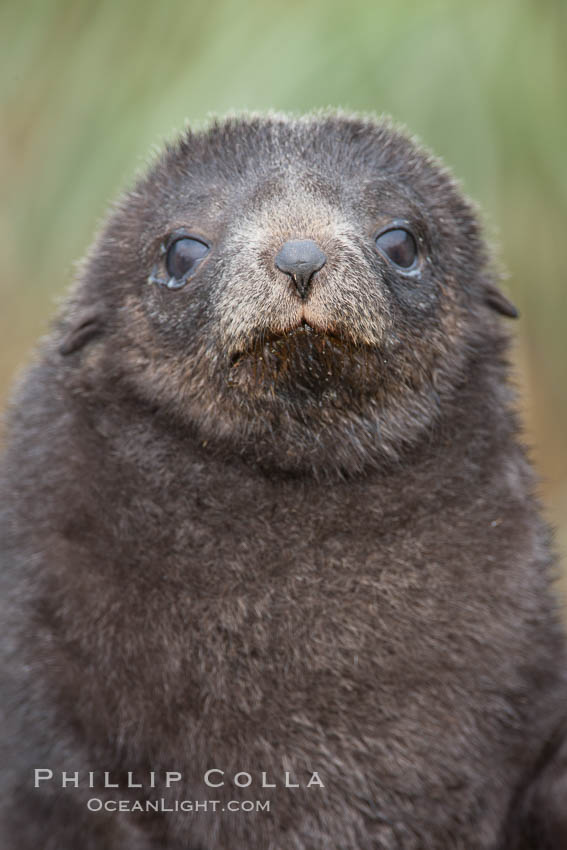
[299,288]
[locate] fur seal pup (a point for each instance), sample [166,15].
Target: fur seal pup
[273,572]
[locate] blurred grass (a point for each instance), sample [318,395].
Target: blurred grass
[87,88]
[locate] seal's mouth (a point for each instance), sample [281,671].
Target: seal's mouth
[302,363]
[303,336]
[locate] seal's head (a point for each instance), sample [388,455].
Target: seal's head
[304,292]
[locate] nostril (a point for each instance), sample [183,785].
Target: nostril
[300,259]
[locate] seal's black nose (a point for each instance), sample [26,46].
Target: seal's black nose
[300,258]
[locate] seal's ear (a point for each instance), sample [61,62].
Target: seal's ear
[539,814]
[495,299]
[83,327]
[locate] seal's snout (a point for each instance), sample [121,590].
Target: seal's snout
[300,259]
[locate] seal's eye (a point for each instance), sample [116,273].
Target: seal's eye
[183,256]
[399,246]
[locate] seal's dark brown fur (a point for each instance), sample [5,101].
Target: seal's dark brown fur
[259,532]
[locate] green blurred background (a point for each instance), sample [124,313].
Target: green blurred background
[89,88]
